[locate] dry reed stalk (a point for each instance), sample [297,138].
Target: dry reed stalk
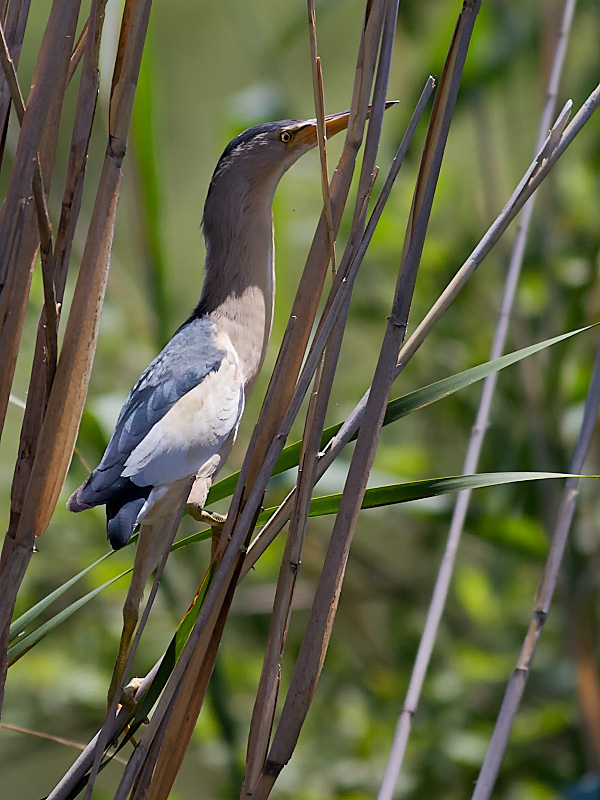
[265,705]
[14,21]
[67,396]
[228,554]
[45,229]
[318,630]
[319,98]
[39,385]
[38,136]
[38,139]
[442,584]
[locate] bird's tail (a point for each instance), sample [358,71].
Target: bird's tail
[77,501]
[121,518]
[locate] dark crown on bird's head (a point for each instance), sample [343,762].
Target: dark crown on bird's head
[256,134]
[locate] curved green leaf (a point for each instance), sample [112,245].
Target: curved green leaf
[419,490]
[21,623]
[25,643]
[404,405]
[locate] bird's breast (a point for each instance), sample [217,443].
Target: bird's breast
[195,427]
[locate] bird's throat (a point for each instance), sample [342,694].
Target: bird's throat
[239,294]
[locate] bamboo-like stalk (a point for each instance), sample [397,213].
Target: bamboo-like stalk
[34,142]
[38,135]
[65,403]
[264,709]
[238,526]
[46,248]
[319,98]
[516,684]
[14,21]
[442,584]
[70,207]
[318,630]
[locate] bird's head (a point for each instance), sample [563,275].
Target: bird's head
[263,153]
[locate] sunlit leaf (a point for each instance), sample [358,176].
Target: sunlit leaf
[23,622]
[419,490]
[27,642]
[404,405]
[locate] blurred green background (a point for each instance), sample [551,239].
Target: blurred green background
[209,71]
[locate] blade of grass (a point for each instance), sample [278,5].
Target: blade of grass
[19,626]
[402,406]
[25,643]
[380,496]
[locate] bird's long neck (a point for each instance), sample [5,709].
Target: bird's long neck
[239,285]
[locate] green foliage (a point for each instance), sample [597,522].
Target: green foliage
[208,74]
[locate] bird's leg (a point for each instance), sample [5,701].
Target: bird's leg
[147,556]
[130,619]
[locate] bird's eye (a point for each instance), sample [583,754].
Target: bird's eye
[285,137]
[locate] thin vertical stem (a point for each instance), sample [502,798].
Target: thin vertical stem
[545,593]
[442,585]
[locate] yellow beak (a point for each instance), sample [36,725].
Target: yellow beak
[334,123]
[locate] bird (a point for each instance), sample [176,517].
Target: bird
[181,418]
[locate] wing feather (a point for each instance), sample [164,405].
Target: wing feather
[196,352]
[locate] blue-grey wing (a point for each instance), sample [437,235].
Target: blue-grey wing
[184,405]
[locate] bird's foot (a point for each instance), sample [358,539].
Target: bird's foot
[216,522]
[202,515]
[128,694]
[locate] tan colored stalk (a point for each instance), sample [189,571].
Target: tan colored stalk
[319,99]
[39,195]
[70,207]
[318,630]
[38,136]
[240,521]
[54,55]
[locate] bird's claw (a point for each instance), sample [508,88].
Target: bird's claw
[128,694]
[216,522]
[208,517]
